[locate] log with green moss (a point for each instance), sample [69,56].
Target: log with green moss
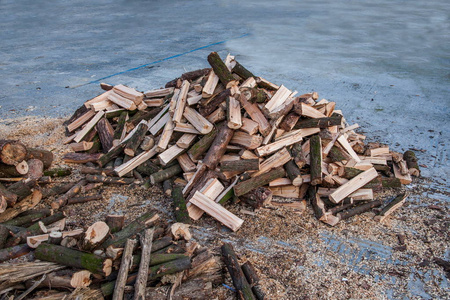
[319,122]
[113,153]
[118,239]
[240,165]
[242,71]
[208,105]
[246,186]
[199,148]
[29,219]
[253,279]
[315,154]
[135,140]
[243,288]
[293,172]
[109,180]
[154,272]
[58,172]
[391,206]
[220,69]
[337,155]
[74,258]
[148,168]
[179,203]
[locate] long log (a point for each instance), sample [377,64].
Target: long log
[253,280]
[242,71]
[12,152]
[316,160]
[179,203]
[135,140]
[127,256]
[74,258]
[197,150]
[21,189]
[319,122]
[14,252]
[109,180]
[240,165]
[218,147]
[359,209]
[17,170]
[57,189]
[62,200]
[27,220]
[188,76]
[165,174]
[391,206]
[141,280]
[243,288]
[27,203]
[148,168]
[209,105]
[58,172]
[120,131]
[154,272]
[246,186]
[81,158]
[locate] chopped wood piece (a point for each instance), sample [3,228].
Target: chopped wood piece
[240,165]
[12,152]
[201,169]
[307,111]
[233,113]
[277,99]
[200,123]
[212,190]
[81,146]
[283,142]
[127,257]
[359,209]
[105,133]
[181,102]
[379,151]
[315,160]
[181,212]
[84,199]
[128,93]
[249,126]
[28,203]
[242,71]
[186,128]
[246,186]
[82,133]
[246,140]
[210,85]
[280,182]
[392,206]
[344,143]
[81,120]
[170,154]
[276,160]
[17,170]
[256,115]
[159,124]
[165,136]
[266,84]
[253,280]
[135,162]
[218,147]
[208,105]
[217,116]
[186,163]
[294,174]
[159,92]
[221,70]
[320,122]
[286,191]
[290,121]
[243,288]
[354,184]
[411,161]
[216,211]
[186,140]
[404,179]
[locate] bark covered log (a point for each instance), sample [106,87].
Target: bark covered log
[316,160]
[218,147]
[12,152]
[165,174]
[258,197]
[179,203]
[246,186]
[197,150]
[105,133]
[43,155]
[220,69]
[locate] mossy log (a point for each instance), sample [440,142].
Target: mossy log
[253,280]
[246,186]
[113,153]
[199,148]
[58,172]
[179,203]
[316,160]
[57,189]
[243,288]
[242,71]
[120,126]
[220,69]
[165,174]
[29,219]
[74,258]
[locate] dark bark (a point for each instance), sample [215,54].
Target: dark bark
[14,252]
[58,172]
[242,71]
[319,122]
[165,174]
[189,76]
[109,180]
[289,121]
[253,280]
[113,153]
[84,199]
[240,165]
[179,203]
[43,155]
[218,147]
[359,209]
[220,69]
[209,105]
[246,186]
[315,154]
[57,190]
[105,133]
[81,158]
[258,197]
[197,150]
[115,222]
[135,140]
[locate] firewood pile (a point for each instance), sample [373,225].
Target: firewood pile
[223,133]
[208,137]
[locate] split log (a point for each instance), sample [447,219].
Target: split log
[12,152]
[352,185]
[253,279]
[289,121]
[120,130]
[127,256]
[24,205]
[411,161]
[197,150]
[315,160]
[258,197]
[74,258]
[154,272]
[256,115]
[276,160]
[135,139]
[246,140]
[170,155]
[96,234]
[216,211]
[118,239]
[359,209]
[240,165]
[392,206]
[233,113]
[18,170]
[62,200]
[210,85]
[263,83]
[179,203]
[181,102]
[293,173]
[221,70]
[209,105]
[293,138]
[115,222]
[200,123]
[165,174]
[243,288]
[218,147]
[105,133]
[142,276]
[246,186]
[208,186]
[14,252]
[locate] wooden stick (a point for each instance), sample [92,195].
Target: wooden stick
[256,115]
[186,140]
[170,154]
[197,150]
[246,140]
[141,280]
[165,174]
[221,70]
[240,165]
[210,85]
[271,148]
[276,160]
[127,256]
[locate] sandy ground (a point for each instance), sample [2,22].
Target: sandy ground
[297,256]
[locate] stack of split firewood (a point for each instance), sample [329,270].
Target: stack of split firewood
[106,259]
[222,133]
